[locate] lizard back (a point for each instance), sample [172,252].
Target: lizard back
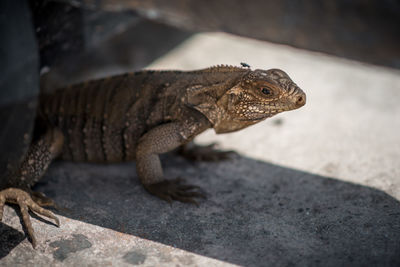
[101,120]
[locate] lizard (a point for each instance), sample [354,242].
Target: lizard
[138,116]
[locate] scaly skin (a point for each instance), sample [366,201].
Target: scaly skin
[140,115]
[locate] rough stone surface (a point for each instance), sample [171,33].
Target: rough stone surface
[318,186]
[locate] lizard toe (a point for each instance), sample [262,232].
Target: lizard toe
[41,199]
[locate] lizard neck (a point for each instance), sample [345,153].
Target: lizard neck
[212,87]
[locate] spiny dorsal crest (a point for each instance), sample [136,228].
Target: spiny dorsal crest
[224,68]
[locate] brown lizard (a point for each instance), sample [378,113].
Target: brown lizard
[137,116]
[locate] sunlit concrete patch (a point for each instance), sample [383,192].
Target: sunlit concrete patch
[64,247]
[81,244]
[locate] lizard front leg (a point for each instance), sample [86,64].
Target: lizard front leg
[162,139]
[39,156]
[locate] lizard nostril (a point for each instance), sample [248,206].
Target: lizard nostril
[301,100]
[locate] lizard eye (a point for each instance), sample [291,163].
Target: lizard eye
[265,91]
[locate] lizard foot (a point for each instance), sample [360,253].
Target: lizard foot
[195,152]
[25,202]
[175,189]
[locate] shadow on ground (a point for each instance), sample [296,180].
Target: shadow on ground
[256,213]
[9,239]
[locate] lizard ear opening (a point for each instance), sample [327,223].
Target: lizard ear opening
[236,90]
[229,100]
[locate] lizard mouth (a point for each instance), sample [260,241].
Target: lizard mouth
[261,111]
[259,115]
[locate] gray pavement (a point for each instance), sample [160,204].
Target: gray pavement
[319,186]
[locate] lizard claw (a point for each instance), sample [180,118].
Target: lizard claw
[176,189]
[25,203]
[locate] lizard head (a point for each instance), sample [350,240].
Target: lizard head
[258,95]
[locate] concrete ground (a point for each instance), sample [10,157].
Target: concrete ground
[318,186]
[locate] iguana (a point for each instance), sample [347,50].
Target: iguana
[139,115]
